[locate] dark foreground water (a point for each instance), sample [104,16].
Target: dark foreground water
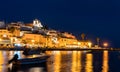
[67,61]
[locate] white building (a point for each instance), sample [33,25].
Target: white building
[2,24]
[37,24]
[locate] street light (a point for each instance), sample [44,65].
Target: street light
[79,43]
[105,44]
[89,44]
[0,39]
[33,41]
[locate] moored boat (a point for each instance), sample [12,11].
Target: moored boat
[39,59]
[31,59]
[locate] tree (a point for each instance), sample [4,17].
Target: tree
[98,40]
[83,36]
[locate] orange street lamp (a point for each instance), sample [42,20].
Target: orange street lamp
[105,44]
[32,41]
[89,44]
[79,43]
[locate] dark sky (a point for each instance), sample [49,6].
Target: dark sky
[95,18]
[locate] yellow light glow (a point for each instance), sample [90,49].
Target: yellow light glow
[89,44]
[105,66]
[89,66]
[4,35]
[76,61]
[16,39]
[32,40]
[57,61]
[79,43]
[105,44]
[1,61]
[74,42]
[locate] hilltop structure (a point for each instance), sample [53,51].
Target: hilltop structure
[34,35]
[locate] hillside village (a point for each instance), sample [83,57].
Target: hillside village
[35,35]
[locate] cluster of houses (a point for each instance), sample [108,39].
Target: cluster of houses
[34,35]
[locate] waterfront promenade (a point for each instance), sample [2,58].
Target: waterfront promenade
[62,49]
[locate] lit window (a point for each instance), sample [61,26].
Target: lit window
[4,35]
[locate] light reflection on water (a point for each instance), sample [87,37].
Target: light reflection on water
[105,66]
[76,61]
[57,61]
[60,61]
[88,65]
[2,67]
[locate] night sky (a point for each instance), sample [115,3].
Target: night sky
[95,18]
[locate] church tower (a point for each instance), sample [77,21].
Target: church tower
[37,24]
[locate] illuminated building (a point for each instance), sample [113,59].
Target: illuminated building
[67,35]
[2,24]
[51,32]
[14,28]
[32,40]
[37,24]
[85,44]
[67,42]
[33,35]
[5,37]
[24,30]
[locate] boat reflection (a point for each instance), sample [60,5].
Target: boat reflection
[36,69]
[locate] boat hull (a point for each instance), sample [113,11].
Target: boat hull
[35,60]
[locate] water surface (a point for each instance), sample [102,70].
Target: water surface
[67,61]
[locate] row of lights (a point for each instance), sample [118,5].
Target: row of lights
[105,44]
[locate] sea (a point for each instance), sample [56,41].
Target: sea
[66,61]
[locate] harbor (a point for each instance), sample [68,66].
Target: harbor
[59,36]
[80,61]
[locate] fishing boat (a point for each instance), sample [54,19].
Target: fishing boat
[31,59]
[28,61]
